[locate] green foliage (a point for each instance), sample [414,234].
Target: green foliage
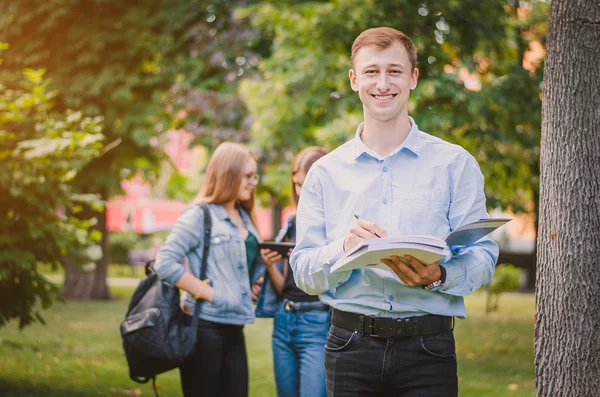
[506,278]
[216,52]
[178,187]
[224,49]
[118,59]
[41,152]
[110,58]
[303,96]
[119,245]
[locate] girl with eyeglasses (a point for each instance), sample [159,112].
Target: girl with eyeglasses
[219,366]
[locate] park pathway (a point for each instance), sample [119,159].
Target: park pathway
[114,281]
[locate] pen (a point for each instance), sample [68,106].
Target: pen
[358,217]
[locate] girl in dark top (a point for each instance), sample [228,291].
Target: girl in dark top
[301,321]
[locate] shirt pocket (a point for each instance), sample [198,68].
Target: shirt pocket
[426,209]
[220,247]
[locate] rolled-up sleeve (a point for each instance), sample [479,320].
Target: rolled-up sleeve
[185,236]
[473,266]
[312,257]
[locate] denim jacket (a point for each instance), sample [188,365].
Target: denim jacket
[226,265]
[268,300]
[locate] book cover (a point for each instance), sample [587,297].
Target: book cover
[470,233]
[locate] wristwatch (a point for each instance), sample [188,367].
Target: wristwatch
[437,283]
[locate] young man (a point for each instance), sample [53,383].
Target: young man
[392,332]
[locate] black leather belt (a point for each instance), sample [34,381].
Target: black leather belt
[391,327]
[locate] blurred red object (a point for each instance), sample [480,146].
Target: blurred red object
[137,212]
[142,214]
[148,215]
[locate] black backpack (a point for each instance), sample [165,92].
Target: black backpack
[156,336]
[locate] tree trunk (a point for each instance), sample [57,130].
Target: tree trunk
[84,285]
[567,362]
[100,286]
[531,274]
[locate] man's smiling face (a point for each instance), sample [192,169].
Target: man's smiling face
[383,80]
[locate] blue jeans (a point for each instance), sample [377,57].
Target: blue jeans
[361,365]
[298,350]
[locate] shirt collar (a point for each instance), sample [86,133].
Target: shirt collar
[412,142]
[220,212]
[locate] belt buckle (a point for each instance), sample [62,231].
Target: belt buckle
[411,326]
[289,306]
[383,328]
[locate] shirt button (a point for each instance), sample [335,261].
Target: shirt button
[384,201]
[391,297]
[384,169]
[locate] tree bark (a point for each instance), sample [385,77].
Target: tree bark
[82,285]
[78,283]
[567,362]
[100,286]
[531,274]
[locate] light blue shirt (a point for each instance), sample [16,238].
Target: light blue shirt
[425,186]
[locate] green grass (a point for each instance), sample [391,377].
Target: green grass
[114,270]
[78,353]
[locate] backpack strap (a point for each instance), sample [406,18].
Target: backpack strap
[207,227]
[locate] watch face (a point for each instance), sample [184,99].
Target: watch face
[433,285]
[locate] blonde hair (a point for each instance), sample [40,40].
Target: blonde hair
[302,163]
[224,175]
[382,38]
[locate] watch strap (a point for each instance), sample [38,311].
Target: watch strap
[437,283]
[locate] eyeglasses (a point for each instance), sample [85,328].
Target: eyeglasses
[252,177]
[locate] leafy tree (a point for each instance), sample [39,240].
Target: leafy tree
[473,88]
[116,59]
[567,297]
[506,278]
[205,100]
[41,153]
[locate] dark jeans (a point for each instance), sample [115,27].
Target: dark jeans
[219,366]
[419,366]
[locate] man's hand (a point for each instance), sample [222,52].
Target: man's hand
[412,272]
[361,230]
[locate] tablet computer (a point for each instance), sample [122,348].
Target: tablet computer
[282,248]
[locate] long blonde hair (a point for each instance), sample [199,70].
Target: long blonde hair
[302,163]
[224,175]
